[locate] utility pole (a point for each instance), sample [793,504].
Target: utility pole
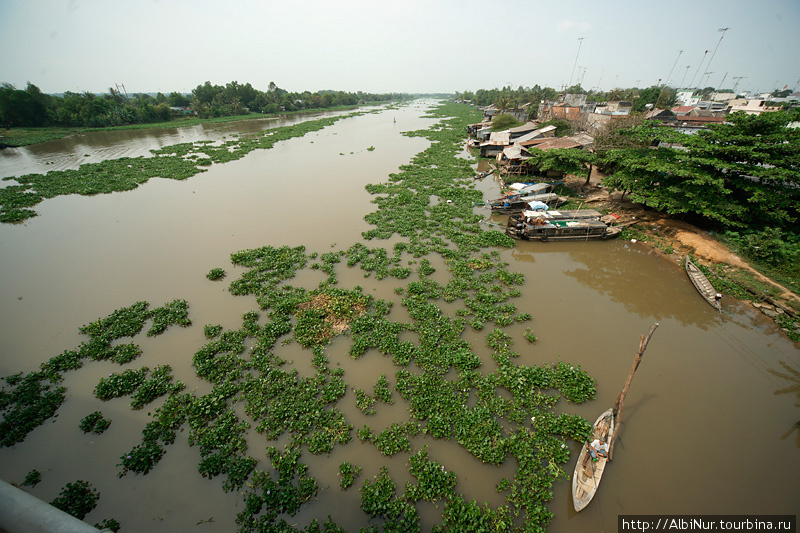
[601,78]
[580,42]
[673,67]
[723,30]
[723,80]
[684,76]
[698,68]
[707,75]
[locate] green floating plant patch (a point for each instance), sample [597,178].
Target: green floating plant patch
[94,423]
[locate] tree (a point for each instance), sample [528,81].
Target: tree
[576,89]
[176,99]
[504,122]
[22,108]
[503,103]
[744,173]
[565,160]
[646,96]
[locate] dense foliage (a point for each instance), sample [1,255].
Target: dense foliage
[510,98]
[31,107]
[744,173]
[503,122]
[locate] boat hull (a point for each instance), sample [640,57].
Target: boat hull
[588,473]
[701,283]
[563,230]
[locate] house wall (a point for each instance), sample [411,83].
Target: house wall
[685,98]
[566,113]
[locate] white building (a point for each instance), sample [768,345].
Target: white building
[686,98]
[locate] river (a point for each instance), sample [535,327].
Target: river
[710,423]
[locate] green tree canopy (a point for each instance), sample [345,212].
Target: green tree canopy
[22,107]
[660,97]
[744,173]
[504,122]
[566,160]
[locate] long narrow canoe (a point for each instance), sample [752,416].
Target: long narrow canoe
[702,284]
[588,472]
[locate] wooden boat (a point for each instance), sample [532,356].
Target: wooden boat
[518,200]
[703,286]
[557,225]
[560,214]
[588,472]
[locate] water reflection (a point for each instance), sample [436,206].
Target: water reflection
[793,377]
[640,279]
[703,375]
[95,146]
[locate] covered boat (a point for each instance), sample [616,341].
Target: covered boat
[523,193]
[561,225]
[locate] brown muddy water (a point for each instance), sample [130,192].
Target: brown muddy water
[710,423]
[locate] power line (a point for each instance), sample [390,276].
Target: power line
[580,42]
[673,67]
[684,75]
[691,83]
[723,30]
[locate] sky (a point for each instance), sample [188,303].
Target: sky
[412,46]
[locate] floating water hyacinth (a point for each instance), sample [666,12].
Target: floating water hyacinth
[252,393]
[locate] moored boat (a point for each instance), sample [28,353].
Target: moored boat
[578,224]
[703,286]
[516,201]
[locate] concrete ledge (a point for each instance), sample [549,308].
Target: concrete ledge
[21,512]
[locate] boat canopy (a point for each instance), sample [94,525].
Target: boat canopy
[537,205]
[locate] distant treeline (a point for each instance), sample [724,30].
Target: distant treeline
[661,97]
[509,98]
[31,107]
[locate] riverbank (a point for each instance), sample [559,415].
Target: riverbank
[17,137]
[676,239]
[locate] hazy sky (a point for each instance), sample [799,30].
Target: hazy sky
[400,46]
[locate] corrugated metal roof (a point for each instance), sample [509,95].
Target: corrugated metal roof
[583,139]
[534,142]
[688,118]
[556,143]
[528,136]
[515,151]
[682,109]
[530,126]
[498,137]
